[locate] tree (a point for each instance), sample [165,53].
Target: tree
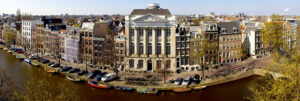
[39,89]
[200,49]
[196,21]
[6,86]
[10,36]
[242,52]
[273,32]
[282,89]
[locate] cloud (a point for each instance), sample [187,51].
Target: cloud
[287,9]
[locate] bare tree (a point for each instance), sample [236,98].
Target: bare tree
[6,86]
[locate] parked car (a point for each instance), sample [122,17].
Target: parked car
[74,70]
[109,77]
[2,43]
[178,81]
[197,79]
[81,72]
[51,63]
[34,56]
[99,76]
[45,61]
[186,81]
[19,51]
[55,65]
[92,74]
[171,81]
[65,69]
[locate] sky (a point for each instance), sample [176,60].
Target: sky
[176,7]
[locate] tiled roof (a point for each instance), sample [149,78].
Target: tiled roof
[229,27]
[151,11]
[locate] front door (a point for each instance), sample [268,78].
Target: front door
[149,65]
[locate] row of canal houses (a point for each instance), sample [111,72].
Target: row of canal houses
[150,39]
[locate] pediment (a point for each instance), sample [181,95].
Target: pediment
[149,18]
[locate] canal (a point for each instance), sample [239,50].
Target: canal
[20,73]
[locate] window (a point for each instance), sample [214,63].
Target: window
[117,44]
[235,30]
[122,59]
[141,48]
[168,64]
[149,32]
[131,48]
[211,37]
[131,31]
[158,64]
[140,64]
[131,63]
[158,50]
[121,51]
[141,32]
[168,32]
[158,32]
[117,51]
[168,49]
[149,48]
[224,30]
[121,45]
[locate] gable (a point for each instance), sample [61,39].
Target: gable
[149,18]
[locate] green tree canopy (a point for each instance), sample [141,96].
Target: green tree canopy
[10,36]
[273,34]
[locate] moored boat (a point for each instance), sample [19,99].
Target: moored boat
[73,78]
[50,70]
[126,88]
[152,91]
[199,87]
[123,88]
[19,57]
[9,51]
[98,85]
[27,60]
[117,88]
[35,64]
[182,90]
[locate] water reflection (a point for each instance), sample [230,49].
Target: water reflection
[20,72]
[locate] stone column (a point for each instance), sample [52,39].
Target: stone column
[136,41]
[154,40]
[163,41]
[127,41]
[145,41]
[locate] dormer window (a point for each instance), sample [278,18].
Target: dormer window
[235,30]
[211,27]
[224,30]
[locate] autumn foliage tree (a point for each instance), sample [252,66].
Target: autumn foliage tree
[9,36]
[272,34]
[200,49]
[286,88]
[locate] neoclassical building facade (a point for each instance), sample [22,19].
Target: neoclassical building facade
[151,40]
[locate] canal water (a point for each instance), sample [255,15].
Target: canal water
[20,73]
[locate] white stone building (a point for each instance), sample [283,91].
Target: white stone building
[253,39]
[28,27]
[151,40]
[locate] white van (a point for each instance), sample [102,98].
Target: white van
[108,77]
